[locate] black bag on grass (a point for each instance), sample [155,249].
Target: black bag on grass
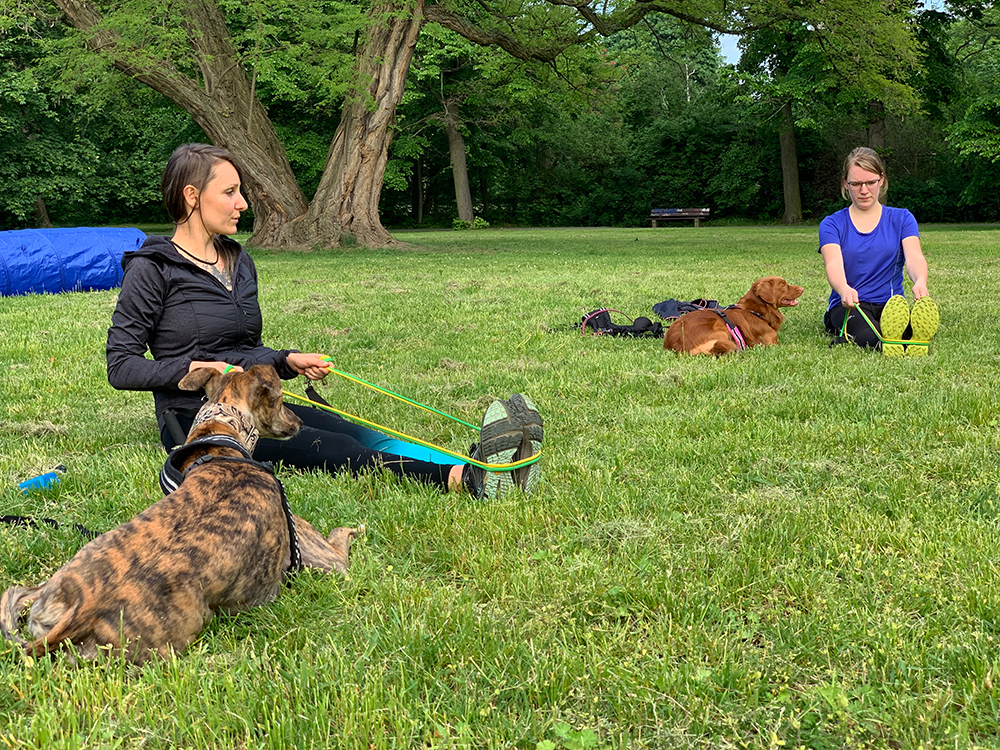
[600,323]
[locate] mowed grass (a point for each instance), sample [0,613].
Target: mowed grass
[788,547]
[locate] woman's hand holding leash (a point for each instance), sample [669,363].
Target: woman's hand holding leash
[849,297]
[313,366]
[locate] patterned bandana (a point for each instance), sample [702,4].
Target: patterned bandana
[228,414]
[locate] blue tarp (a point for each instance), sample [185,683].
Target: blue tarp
[36,261]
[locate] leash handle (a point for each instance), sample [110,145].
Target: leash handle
[587,318]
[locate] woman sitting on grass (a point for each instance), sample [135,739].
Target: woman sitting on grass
[865,247]
[191,300]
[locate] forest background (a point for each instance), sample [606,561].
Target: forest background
[542,114]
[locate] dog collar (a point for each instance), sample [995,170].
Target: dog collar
[228,414]
[171,475]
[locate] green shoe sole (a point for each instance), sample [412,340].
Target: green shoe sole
[924,320]
[499,439]
[895,317]
[522,407]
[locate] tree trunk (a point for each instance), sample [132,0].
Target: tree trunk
[876,125]
[789,167]
[42,220]
[418,191]
[347,198]
[221,103]
[459,168]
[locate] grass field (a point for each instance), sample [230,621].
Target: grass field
[788,547]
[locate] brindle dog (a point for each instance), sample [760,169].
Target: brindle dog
[222,542]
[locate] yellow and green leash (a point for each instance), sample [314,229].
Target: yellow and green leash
[875,330]
[402,435]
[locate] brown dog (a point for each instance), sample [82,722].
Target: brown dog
[754,321]
[223,541]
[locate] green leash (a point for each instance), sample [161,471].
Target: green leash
[875,330]
[402,435]
[396,396]
[410,439]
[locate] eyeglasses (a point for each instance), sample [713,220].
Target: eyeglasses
[870,184]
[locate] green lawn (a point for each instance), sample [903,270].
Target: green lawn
[788,547]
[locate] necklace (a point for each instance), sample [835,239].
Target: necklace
[195,257]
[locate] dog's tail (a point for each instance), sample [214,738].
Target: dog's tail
[12,605]
[58,621]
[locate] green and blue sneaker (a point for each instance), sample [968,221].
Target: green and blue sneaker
[511,431]
[526,478]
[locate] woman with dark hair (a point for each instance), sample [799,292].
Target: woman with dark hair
[191,301]
[865,248]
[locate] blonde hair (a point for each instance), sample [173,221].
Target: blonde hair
[869,161]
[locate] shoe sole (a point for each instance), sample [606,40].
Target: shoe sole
[924,319]
[895,316]
[499,438]
[531,442]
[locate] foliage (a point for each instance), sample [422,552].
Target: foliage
[766,550]
[88,160]
[596,135]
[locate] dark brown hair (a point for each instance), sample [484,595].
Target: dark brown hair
[190,164]
[868,160]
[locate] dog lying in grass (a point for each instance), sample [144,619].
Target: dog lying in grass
[223,541]
[754,321]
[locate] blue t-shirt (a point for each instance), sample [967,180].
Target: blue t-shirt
[873,262]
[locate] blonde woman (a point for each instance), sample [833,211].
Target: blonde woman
[865,248]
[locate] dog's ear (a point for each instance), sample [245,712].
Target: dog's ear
[267,385]
[769,289]
[204,377]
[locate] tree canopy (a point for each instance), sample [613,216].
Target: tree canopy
[561,111]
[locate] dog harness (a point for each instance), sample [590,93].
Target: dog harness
[734,330]
[171,478]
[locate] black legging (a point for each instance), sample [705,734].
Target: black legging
[858,330]
[328,441]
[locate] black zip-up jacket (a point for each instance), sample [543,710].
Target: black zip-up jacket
[181,313]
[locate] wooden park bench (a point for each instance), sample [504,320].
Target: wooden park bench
[673,214]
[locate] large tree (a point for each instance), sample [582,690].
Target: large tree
[796,65]
[207,57]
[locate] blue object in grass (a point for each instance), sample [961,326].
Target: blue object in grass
[42,481]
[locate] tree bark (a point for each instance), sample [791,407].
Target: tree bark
[789,167]
[418,191]
[876,125]
[221,103]
[346,201]
[42,220]
[459,167]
